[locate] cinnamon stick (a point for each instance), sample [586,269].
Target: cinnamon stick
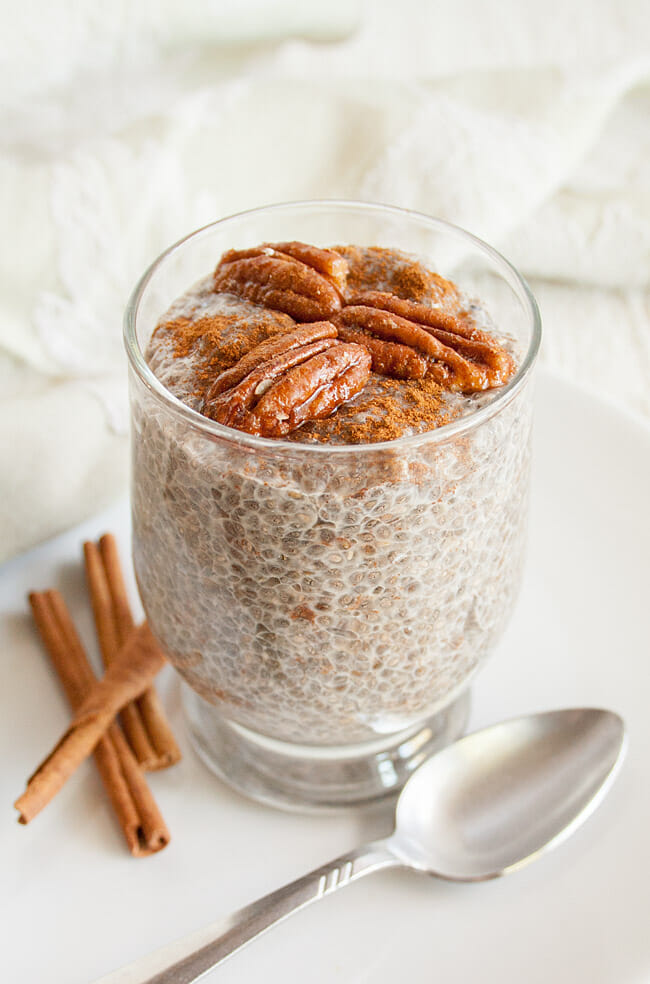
[109,643]
[149,705]
[131,672]
[138,815]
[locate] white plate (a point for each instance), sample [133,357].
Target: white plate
[76,905]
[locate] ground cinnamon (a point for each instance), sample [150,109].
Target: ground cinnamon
[135,808]
[385,411]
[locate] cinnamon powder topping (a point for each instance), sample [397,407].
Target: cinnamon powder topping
[386,410]
[374,268]
[217,342]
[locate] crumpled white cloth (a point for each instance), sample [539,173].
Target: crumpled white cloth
[127,125]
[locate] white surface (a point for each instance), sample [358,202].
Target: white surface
[75,905]
[127,125]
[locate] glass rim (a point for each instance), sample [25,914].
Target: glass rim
[220,432]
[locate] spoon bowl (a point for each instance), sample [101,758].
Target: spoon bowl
[479,808]
[510,792]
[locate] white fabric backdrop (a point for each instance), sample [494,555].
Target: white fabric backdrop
[125,125]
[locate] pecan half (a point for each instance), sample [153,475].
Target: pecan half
[388,358]
[278,345]
[303,281]
[303,375]
[327,261]
[458,355]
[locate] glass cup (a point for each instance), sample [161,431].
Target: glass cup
[327,606]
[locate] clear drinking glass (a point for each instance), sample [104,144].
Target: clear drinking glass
[327,606]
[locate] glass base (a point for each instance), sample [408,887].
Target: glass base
[309,778]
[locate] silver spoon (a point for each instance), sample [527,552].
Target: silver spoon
[480,808]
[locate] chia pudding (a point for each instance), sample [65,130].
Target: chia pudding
[337,574]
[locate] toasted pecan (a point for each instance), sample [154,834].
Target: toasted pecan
[303,375]
[303,281]
[388,358]
[277,345]
[459,356]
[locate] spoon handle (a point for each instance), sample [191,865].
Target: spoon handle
[188,959]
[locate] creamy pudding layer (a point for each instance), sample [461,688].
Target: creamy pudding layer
[319,596]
